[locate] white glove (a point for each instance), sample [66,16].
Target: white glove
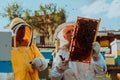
[96,50]
[39,63]
[62,66]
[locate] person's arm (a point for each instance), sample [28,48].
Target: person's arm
[36,51]
[55,75]
[58,67]
[98,60]
[99,65]
[38,62]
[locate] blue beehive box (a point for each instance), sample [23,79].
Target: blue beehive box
[5,67]
[103,54]
[47,54]
[118,60]
[5,51]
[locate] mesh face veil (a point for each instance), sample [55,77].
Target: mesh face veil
[61,30]
[61,38]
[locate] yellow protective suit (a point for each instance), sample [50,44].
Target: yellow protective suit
[21,56]
[22,53]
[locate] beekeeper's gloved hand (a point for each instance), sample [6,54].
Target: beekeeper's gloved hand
[62,66]
[96,51]
[39,64]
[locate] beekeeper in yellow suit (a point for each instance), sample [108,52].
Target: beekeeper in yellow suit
[26,58]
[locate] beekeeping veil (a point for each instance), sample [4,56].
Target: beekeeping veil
[59,33]
[22,31]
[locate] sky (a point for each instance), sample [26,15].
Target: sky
[106,10]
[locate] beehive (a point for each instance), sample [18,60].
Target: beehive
[84,35]
[115,47]
[110,60]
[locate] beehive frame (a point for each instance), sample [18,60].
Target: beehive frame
[84,35]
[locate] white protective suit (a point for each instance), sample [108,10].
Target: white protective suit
[76,70]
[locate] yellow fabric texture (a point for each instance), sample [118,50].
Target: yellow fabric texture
[21,56]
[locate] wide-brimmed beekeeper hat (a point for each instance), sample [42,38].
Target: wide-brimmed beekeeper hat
[16,21]
[61,27]
[17,25]
[59,32]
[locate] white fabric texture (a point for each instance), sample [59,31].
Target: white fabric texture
[15,21]
[81,71]
[62,66]
[61,38]
[96,48]
[40,63]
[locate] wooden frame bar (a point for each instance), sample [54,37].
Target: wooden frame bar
[84,35]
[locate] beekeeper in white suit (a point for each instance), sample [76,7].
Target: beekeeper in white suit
[64,70]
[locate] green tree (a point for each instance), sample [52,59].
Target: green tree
[13,10]
[50,18]
[44,20]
